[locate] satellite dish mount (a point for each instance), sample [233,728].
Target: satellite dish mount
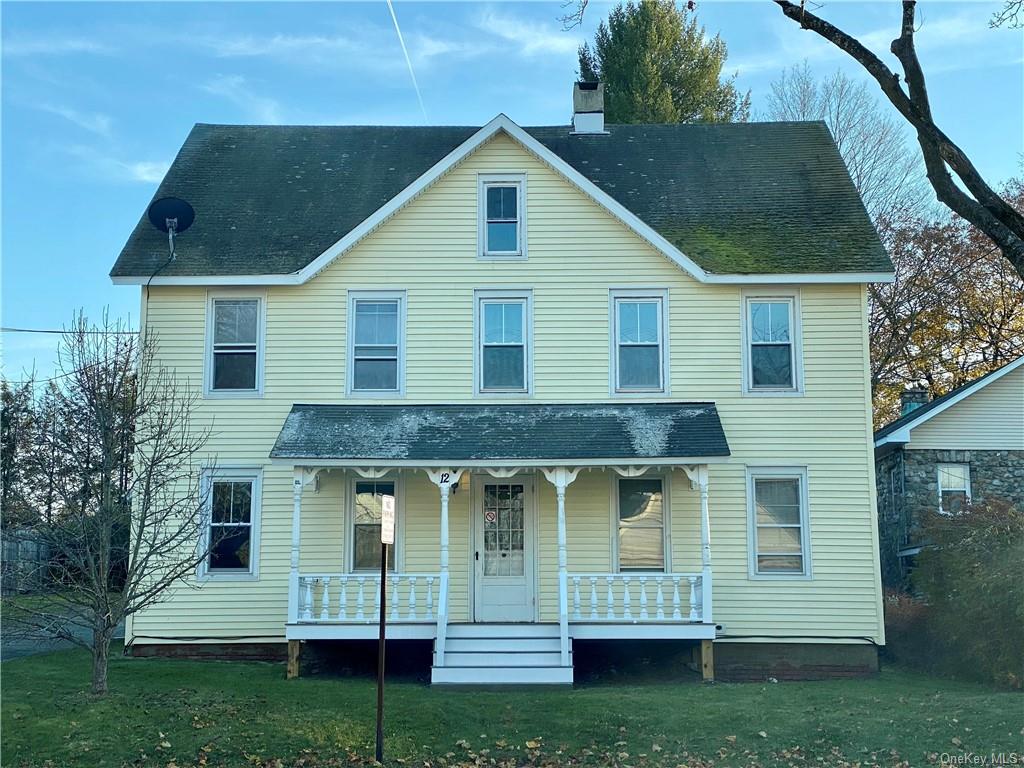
[171,215]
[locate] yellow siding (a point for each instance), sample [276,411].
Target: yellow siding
[577,252]
[990,419]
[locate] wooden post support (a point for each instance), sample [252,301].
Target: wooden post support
[293,659]
[707,660]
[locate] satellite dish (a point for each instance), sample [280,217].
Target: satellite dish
[171,215]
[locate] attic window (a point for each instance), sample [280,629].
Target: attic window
[502,216]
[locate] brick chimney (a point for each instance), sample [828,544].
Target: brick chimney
[913,398]
[588,108]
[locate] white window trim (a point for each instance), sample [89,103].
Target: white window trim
[938,482]
[505,179]
[350,335]
[350,521]
[778,473]
[666,506]
[480,296]
[261,337]
[233,474]
[660,294]
[796,330]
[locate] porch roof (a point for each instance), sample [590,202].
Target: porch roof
[523,434]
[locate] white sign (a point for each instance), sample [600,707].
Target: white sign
[387,520]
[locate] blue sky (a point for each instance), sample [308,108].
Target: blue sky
[97,98]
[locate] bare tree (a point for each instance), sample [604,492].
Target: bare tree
[130,520]
[976,201]
[886,172]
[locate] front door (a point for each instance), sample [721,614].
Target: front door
[503,553]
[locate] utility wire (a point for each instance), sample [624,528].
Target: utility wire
[63,331]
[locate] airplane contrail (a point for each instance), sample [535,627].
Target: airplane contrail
[408,61]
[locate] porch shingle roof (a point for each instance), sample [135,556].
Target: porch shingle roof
[441,434]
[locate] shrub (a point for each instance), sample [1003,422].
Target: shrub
[972,582]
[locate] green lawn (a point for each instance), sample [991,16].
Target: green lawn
[164,713]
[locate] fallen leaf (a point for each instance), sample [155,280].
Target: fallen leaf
[533,743]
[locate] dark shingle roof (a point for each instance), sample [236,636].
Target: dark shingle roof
[735,198]
[921,410]
[443,433]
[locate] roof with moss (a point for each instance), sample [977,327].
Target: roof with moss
[736,198]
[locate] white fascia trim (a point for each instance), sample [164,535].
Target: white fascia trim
[665,461]
[902,435]
[502,123]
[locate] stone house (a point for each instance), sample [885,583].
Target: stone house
[966,446]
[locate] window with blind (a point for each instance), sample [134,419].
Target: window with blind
[503,355]
[376,353]
[778,521]
[234,346]
[641,524]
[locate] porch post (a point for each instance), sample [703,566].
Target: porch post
[444,479]
[705,545]
[561,477]
[293,574]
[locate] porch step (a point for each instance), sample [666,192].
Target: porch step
[503,654]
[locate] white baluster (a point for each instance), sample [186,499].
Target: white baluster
[643,598]
[343,598]
[307,599]
[412,598]
[610,599]
[693,599]
[626,599]
[576,598]
[593,597]
[376,598]
[430,598]
[394,598]
[325,607]
[659,600]
[676,614]
[360,599]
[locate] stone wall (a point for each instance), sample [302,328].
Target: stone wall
[994,474]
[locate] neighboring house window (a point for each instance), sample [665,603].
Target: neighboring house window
[641,524]
[503,330]
[954,488]
[376,351]
[503,216]
[234,361]
[778,522]
[771,357]
[233,523]
[639,342]
[895,488]
[366,522]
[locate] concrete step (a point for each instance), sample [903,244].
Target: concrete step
[502,630]
[491,659]
[501,675]
[503,644]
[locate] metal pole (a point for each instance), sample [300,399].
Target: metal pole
[380,651]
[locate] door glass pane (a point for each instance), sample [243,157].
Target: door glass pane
[504,535]
[771,365]
[639,367]
[504,367]
[234,370]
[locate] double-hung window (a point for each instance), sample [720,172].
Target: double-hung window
[502,216]
[376,347]
[366,522]
[778,522]
[232,524]
[234,347]
[503,331]
[641,524]
[639,342]
[954,488]
[772,355]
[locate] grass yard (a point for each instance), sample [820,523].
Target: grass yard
[174,714]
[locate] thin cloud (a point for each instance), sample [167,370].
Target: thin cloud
[530,38]
[94,122]
[235,89]
[111,168]
[52,46]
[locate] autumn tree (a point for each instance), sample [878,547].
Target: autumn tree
[128,524]
[16,435]
[658,66]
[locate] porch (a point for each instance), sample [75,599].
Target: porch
[532,569]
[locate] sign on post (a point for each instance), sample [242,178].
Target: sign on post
[387,520]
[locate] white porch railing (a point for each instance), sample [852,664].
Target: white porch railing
[630,597]
[355,598]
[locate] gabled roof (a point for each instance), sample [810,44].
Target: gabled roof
[274,204]
[899,431]
[531,435]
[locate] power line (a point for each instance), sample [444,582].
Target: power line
[62,331]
